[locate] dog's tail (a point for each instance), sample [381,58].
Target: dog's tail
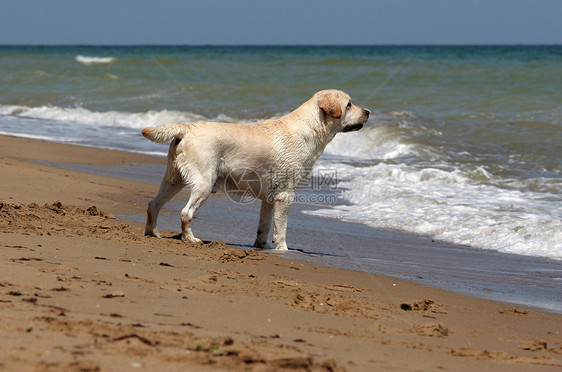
[165,133]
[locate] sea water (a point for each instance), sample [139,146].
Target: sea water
[464,144]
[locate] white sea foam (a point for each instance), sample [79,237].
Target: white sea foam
[90,60]
[370,143]
[449,206]
[377,142]
[403,114]
[43,138]
[135,120]
[458,205]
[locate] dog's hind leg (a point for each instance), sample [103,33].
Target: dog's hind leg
[166,193]
[266,213]
[198,196]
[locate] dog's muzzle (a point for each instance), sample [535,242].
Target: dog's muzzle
[352,128]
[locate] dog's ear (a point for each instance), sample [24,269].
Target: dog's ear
[330,105]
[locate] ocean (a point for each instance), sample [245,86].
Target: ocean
[464,143]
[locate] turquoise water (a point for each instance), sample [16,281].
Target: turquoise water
[464,144]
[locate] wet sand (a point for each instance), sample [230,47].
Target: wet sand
[83,290]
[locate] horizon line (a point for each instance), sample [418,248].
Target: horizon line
[284,45]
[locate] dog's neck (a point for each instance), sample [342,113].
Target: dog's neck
[312,132]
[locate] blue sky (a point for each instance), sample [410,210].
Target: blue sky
[280,22]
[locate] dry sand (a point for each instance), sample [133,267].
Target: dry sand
[81,290]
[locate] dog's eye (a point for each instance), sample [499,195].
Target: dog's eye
[348,106]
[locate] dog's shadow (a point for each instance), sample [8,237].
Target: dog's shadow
[251,247]
[291,250]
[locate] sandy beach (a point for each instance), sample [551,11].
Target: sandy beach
[83,290]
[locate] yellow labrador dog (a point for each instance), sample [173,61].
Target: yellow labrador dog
[211,156]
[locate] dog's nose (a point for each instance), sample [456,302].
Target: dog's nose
[366,112]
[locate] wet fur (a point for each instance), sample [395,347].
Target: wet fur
[210,156]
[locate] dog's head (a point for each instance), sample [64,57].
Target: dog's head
[338,111]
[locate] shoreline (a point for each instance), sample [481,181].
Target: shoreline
[509,278]
[242,307]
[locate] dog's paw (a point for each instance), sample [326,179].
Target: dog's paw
[154,234]
[281,247]
[262,245]
[193,240]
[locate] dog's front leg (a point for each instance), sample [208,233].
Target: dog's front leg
[281,209]
[266,213]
